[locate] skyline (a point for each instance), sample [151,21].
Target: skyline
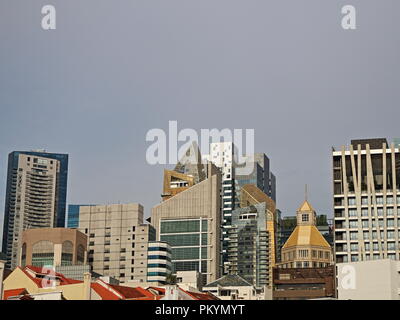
[137,68]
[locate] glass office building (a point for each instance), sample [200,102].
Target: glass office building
[249,245]
[188,239]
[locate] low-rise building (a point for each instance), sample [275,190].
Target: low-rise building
[53,247]
[303,283]
[234,287]
[369,280]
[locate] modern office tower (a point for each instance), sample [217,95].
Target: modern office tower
[225,156]
[306,247]
[158,262]
[53,247]
[118,240]
[35,196]
[174,183]
[251,246]
[191,164]
[190,223]
[222,155]
[73,215]
[366,183]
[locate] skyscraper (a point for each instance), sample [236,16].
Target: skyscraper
[189,222]
[35,196]
[225,155]
[366,185]
[118,240]
[73,215]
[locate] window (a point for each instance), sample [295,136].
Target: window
[391,246]
[304,217]
[353,235]
[352,212]
[353,247]
[352,201]
[353,224]
[354,258]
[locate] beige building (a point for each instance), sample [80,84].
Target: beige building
[190,223]
[306,247]
[117,240]
[32,200]
[53,247]
[369,280]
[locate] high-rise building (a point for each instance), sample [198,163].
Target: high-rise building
[35,196]
[73,215]
[252,244]
[366,184]
[158,262]
[190,223]
[118,240]
[225,156]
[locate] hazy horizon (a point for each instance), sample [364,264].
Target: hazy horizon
[110,72]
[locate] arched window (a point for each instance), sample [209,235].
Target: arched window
[81,254]
[67,253]
[23,255]
[43,253]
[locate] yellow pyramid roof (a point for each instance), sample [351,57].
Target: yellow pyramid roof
[306,236]
[306,206]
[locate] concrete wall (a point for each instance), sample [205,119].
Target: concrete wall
[366,280]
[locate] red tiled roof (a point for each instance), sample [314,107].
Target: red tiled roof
[132,293]
[104,293]
[201,296]
[40,282]
[14,292]
[160,291]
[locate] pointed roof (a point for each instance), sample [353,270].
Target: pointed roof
[305,207]
[229,280]
[306,236]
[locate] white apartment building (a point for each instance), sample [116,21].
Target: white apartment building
[366,183]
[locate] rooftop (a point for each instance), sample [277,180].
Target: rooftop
[229,280]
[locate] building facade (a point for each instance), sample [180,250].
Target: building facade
[369,280]
[304,283]
[190,223]
[53,247]
[306,247]
[117,240]
[366,184]
[249,250]
[158,262]
[73,215]
[35,196]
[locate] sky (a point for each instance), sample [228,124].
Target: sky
[113,70]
